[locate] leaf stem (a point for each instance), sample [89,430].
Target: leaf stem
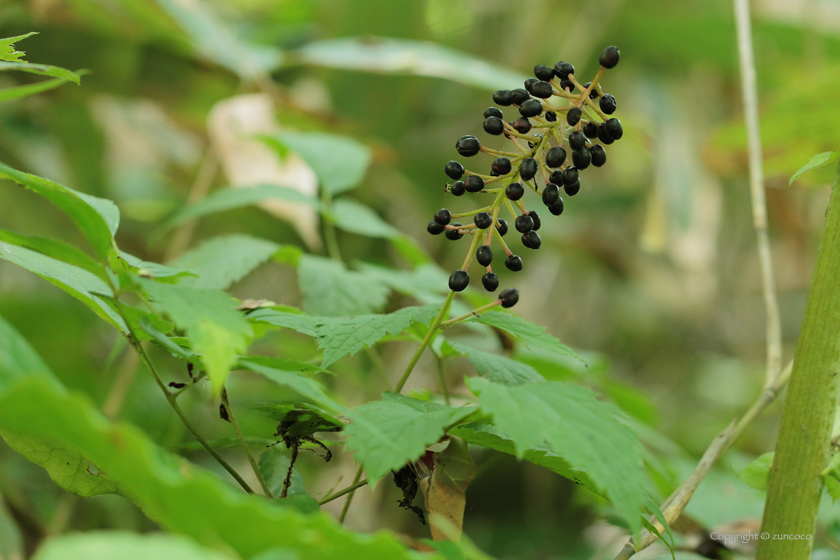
[350,493]
[340,493]
[241,437]
[432,330]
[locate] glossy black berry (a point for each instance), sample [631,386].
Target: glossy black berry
[532,240]
[609,57]
[551,194]
[608,104]
[443,216]
[550,116]
[542,90]
[502,227]
[614,128]
[522,125]
[490,281]
[536,218]
[555,157]
[494,125]
[452,234]
[604,136]
[557,208]
[529,83]
[501,165]
[543,72]
[573,189]
[459,280]
[582,158]
[483,220]
[509,297]
[570,175]
[593,93]
[563,69]
[519,96]
[454,169]
[530,108]
[567,85]
[573,116]
[435,228]
[457,188]
[577,140]
[474,183]
[590,130]
[513,263]
[556,177]
[599,155]
[493,112]
[514,191]
[524,223]
[502,97]
[528,168]
[484,255]
[467,146]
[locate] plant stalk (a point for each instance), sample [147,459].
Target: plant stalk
[244,444]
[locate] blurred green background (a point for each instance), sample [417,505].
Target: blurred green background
[651,272]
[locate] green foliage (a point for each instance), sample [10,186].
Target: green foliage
[274,466]
[7,48]
[302,385]
[578,426]
[223,261]
[330,289]
[386,434]
[355,217]
[815,162]
[498,369]
[526,332]
[126,546]
[755,474]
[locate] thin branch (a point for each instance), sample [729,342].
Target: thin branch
[759,205]
[180,239]
[340,493]
[350,494]
[244,444]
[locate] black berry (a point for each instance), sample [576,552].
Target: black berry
[608,104]
[604,136]
[443,216]
[563,69]
[454,169]
[513,263]
[493,112]
[531,240]
[599,155]
[435,228]
[577,140]
[542,90]
[556,177]
[524,223]
[452,234]
[509,297]
[573,189]
[474,183]
[494,125]
[550,116]
[514,191]
[519,96]
[528,168]
[529,83]
[457,188]
[555,157]
[557,208]
[590,130]
[567,85]
[609,57]
[573,116]
[459,280]
[530,108]
[543,72]
[593,92]
[484,255]
[521,125]
[502,97]
[570,175]
[467,146]
[614,128]
[483,220]
[582,158]
[490,282]
[536,218]
[551,194]
[501,165]
[502,227]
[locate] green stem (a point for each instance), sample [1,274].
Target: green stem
[240,436]
[803,448]
[330,237]
[432,330]
[340,493]
[346,507]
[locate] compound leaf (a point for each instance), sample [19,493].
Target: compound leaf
[223,261]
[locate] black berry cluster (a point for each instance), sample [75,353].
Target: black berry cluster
[553,144]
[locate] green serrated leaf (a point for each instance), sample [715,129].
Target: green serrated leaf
[424,281]
[497,369]
[41,69]
[526,332]
[817,161]
[107,545]
[331,290]
[218,332]
[832,486]
[7,49]
[96,217]
[303,324]
[354,217]
[231,198]
[756,473]
[300,384]
[572,422]
[339,162]
[223,261]
[386,434]
[283,364]
[344,336]
[56,250]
